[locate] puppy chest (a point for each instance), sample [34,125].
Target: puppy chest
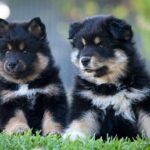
[25,91]
[30,94]
[121,102]
[21,95]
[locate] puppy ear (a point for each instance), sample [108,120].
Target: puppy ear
[37,28]
[73,29]
[120,29]
[3,26]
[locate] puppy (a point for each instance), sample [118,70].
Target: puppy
[31,92]
[111,95]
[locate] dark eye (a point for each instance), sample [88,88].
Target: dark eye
[80,45]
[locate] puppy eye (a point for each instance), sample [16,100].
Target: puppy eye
[97,40]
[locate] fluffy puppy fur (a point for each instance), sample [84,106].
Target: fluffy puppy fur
[31,92]
[112,90]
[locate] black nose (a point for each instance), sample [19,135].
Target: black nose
[15,66]
[85,61]
[11,65]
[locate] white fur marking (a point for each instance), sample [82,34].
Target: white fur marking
[73,135]
[23,90]
[84,127]
[121,101]
[74,59]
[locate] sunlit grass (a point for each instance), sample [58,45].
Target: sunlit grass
[29,142]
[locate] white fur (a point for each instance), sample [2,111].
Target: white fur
[86,126]
[121,101]
[23,90]
[74,59]
[73,135]
[120,58]
[90,77]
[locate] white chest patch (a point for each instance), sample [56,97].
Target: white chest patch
[23,90]
[121,101]
[51,90]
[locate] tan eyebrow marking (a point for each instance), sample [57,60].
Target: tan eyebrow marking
[97,40]
[83,41]
[21,46]
[9,46]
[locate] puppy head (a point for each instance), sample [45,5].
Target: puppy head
[99,44]
[23,55]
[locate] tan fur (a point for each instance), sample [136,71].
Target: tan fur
[5,94]
[49,126]
[53,89]
[97,40]
[83,41]
[9,46]
[85,126]
[40,65]
[116,65]
[18,123]
[22,46]
[144,123]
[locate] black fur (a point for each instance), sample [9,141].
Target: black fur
[35,42]
[115,34]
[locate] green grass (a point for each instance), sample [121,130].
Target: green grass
[29,142]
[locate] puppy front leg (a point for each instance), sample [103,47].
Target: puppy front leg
[17,123]
[55,114]
[49,126]
[85,126]
[144,122]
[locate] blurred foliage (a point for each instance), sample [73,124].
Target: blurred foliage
[136,12]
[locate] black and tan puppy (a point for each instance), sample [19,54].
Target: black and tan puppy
[112,91]
[31,92]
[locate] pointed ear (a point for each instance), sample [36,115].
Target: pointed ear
[37,28]
[74,28]
[3,26]
[119,29]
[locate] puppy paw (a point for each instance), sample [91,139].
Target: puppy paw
[53,132]
[73,135]
[21,130]
[18,128]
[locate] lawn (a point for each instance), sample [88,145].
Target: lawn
[37,142]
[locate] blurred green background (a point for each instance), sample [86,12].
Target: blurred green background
[58,14]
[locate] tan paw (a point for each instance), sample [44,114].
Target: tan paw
[17,128]
[54,132]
